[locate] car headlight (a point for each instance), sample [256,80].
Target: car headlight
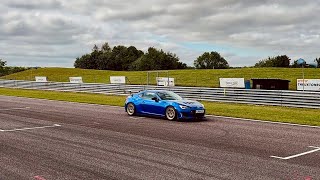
[183,106]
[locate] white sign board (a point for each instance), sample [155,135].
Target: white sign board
[41,79]
[117,79]
[164,81]
[232,82]
[75,79]
[308,84]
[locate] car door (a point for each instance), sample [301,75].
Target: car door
[149,105]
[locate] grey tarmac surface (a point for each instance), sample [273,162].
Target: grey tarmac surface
[103,142]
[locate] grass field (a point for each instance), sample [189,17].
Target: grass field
[269,113]
[206,78]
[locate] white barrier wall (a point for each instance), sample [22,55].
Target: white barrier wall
[117,79]
[232,82]
[308,99]
[308,84]
[165,81]
[41,79]
[75,79]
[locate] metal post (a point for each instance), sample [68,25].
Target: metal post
[302,78]
[196,81]
[168,79]
[157,78]
[148,78]
[31,74]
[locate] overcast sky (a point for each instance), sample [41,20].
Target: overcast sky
[55,32]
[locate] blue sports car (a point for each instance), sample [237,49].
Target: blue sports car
[164,104]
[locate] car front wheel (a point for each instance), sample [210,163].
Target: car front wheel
[131,110]
[171,113]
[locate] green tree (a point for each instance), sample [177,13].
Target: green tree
[89,61]
[118,57]
[156,59]
[278,61]
[95,48]
[295,64]
[103,60]
[317,60]
[83,62]
[2,63]
[148,61]
[122,58]
[212,60]
[105,48]
[93,60]
[5,70]
[2,67]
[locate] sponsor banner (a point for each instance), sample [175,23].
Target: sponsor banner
[164,81]
[75,79]
[41,79]
[308,84]
[117,79]
[232,82]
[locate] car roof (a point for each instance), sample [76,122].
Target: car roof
[154,91]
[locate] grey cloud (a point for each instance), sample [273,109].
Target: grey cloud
[276,26]
[43,29]
[129,14]
[32,4]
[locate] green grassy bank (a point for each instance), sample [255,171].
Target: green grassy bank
[191,77]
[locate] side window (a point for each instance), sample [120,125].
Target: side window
[148,95]
[162,95]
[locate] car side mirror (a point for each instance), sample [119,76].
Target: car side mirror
[155,99]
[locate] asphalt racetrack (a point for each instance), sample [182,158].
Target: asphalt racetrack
[49,140]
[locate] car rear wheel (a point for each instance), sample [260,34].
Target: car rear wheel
[131,110]
[171,113]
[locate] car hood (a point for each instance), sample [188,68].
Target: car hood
[189,103]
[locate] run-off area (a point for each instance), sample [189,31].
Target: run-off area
[10,122]
[103,142]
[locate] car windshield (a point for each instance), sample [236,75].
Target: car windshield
[168,95]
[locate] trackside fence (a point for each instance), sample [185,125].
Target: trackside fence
[303,99]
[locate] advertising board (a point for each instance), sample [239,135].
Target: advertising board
[308,84]
[165,81]
[75,79]
[232,82]
[117,79]
[41,79]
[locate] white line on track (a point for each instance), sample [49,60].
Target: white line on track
[14,108]
[23,129]
[262,121]
[137,117]
[297,155]
[83,103]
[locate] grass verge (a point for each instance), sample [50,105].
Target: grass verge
[189,77]
[269,113]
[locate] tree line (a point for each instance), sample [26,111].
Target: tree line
[284,61]
[6,70]
[122,58]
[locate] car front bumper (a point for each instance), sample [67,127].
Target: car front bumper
[191,114]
